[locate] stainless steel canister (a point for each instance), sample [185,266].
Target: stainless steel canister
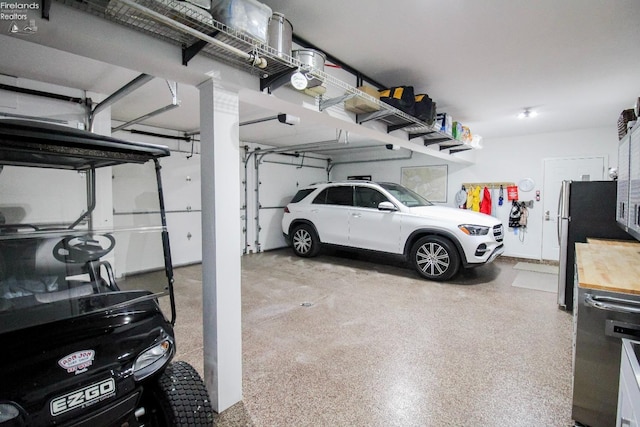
[312,58]
[280,34]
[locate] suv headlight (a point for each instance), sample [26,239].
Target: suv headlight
[474,230]
[152,359]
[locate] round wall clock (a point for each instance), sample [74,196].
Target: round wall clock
[526,184]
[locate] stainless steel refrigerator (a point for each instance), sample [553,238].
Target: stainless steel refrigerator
[585,209]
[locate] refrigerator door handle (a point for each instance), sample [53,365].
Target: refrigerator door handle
[612,303]
[563,209]
[559,213]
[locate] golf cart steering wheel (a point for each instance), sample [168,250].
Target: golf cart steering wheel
[82,249]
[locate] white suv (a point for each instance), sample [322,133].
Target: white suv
[390,218]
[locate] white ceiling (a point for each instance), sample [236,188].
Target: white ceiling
[577,62]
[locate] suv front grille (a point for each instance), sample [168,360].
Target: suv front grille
[498,233]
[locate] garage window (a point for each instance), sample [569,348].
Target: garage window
[342,196]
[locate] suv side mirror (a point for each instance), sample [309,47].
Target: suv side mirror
[387,206]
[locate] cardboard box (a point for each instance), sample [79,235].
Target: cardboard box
[360,105]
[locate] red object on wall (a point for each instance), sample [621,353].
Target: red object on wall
[485,205]
[512,192]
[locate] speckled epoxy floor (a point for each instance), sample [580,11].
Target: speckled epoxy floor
[377,346]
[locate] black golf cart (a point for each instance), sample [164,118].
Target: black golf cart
[84,336]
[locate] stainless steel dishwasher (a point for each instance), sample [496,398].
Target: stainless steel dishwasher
[601,320]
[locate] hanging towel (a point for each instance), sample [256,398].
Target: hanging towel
[476,199]
[470,198]
[494,202]
[485,206]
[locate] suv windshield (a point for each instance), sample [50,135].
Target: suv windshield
[73,242]
[405,196]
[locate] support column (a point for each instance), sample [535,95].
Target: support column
[221,244]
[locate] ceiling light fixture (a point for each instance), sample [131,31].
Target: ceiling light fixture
[527,113]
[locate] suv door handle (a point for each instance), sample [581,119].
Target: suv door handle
[356,215]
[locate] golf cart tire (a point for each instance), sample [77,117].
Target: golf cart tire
[182,397]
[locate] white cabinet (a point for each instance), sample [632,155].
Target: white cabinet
[628,192]
[622,207]
[634,181]
[629,389]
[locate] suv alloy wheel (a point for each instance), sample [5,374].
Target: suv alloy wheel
[304,241]
[435,258]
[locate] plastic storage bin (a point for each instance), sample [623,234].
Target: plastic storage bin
[248,16]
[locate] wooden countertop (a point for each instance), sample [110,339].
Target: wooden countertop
[609,265]
[609,242]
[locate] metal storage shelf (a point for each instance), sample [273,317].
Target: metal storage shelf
[277,71]
[192,17]
[415,128]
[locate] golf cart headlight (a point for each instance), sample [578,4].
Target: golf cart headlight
[8,412]
[152,359]
[474,230]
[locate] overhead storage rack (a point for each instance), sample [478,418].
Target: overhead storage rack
[195,31]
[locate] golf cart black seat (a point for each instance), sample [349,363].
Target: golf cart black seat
[74,292]
[29,266]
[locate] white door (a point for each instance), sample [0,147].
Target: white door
[556,171]
[370,228]
[330,214]
[375,230]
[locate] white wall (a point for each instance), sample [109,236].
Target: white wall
[181,184]
[63,113]
[506,159]
[36,106]
[522,157]
[181,180]
[280,177]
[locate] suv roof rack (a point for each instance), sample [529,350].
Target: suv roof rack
[344,181]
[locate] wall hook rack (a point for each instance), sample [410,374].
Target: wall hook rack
[489,185]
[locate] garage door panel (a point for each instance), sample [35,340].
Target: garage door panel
[185,235]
